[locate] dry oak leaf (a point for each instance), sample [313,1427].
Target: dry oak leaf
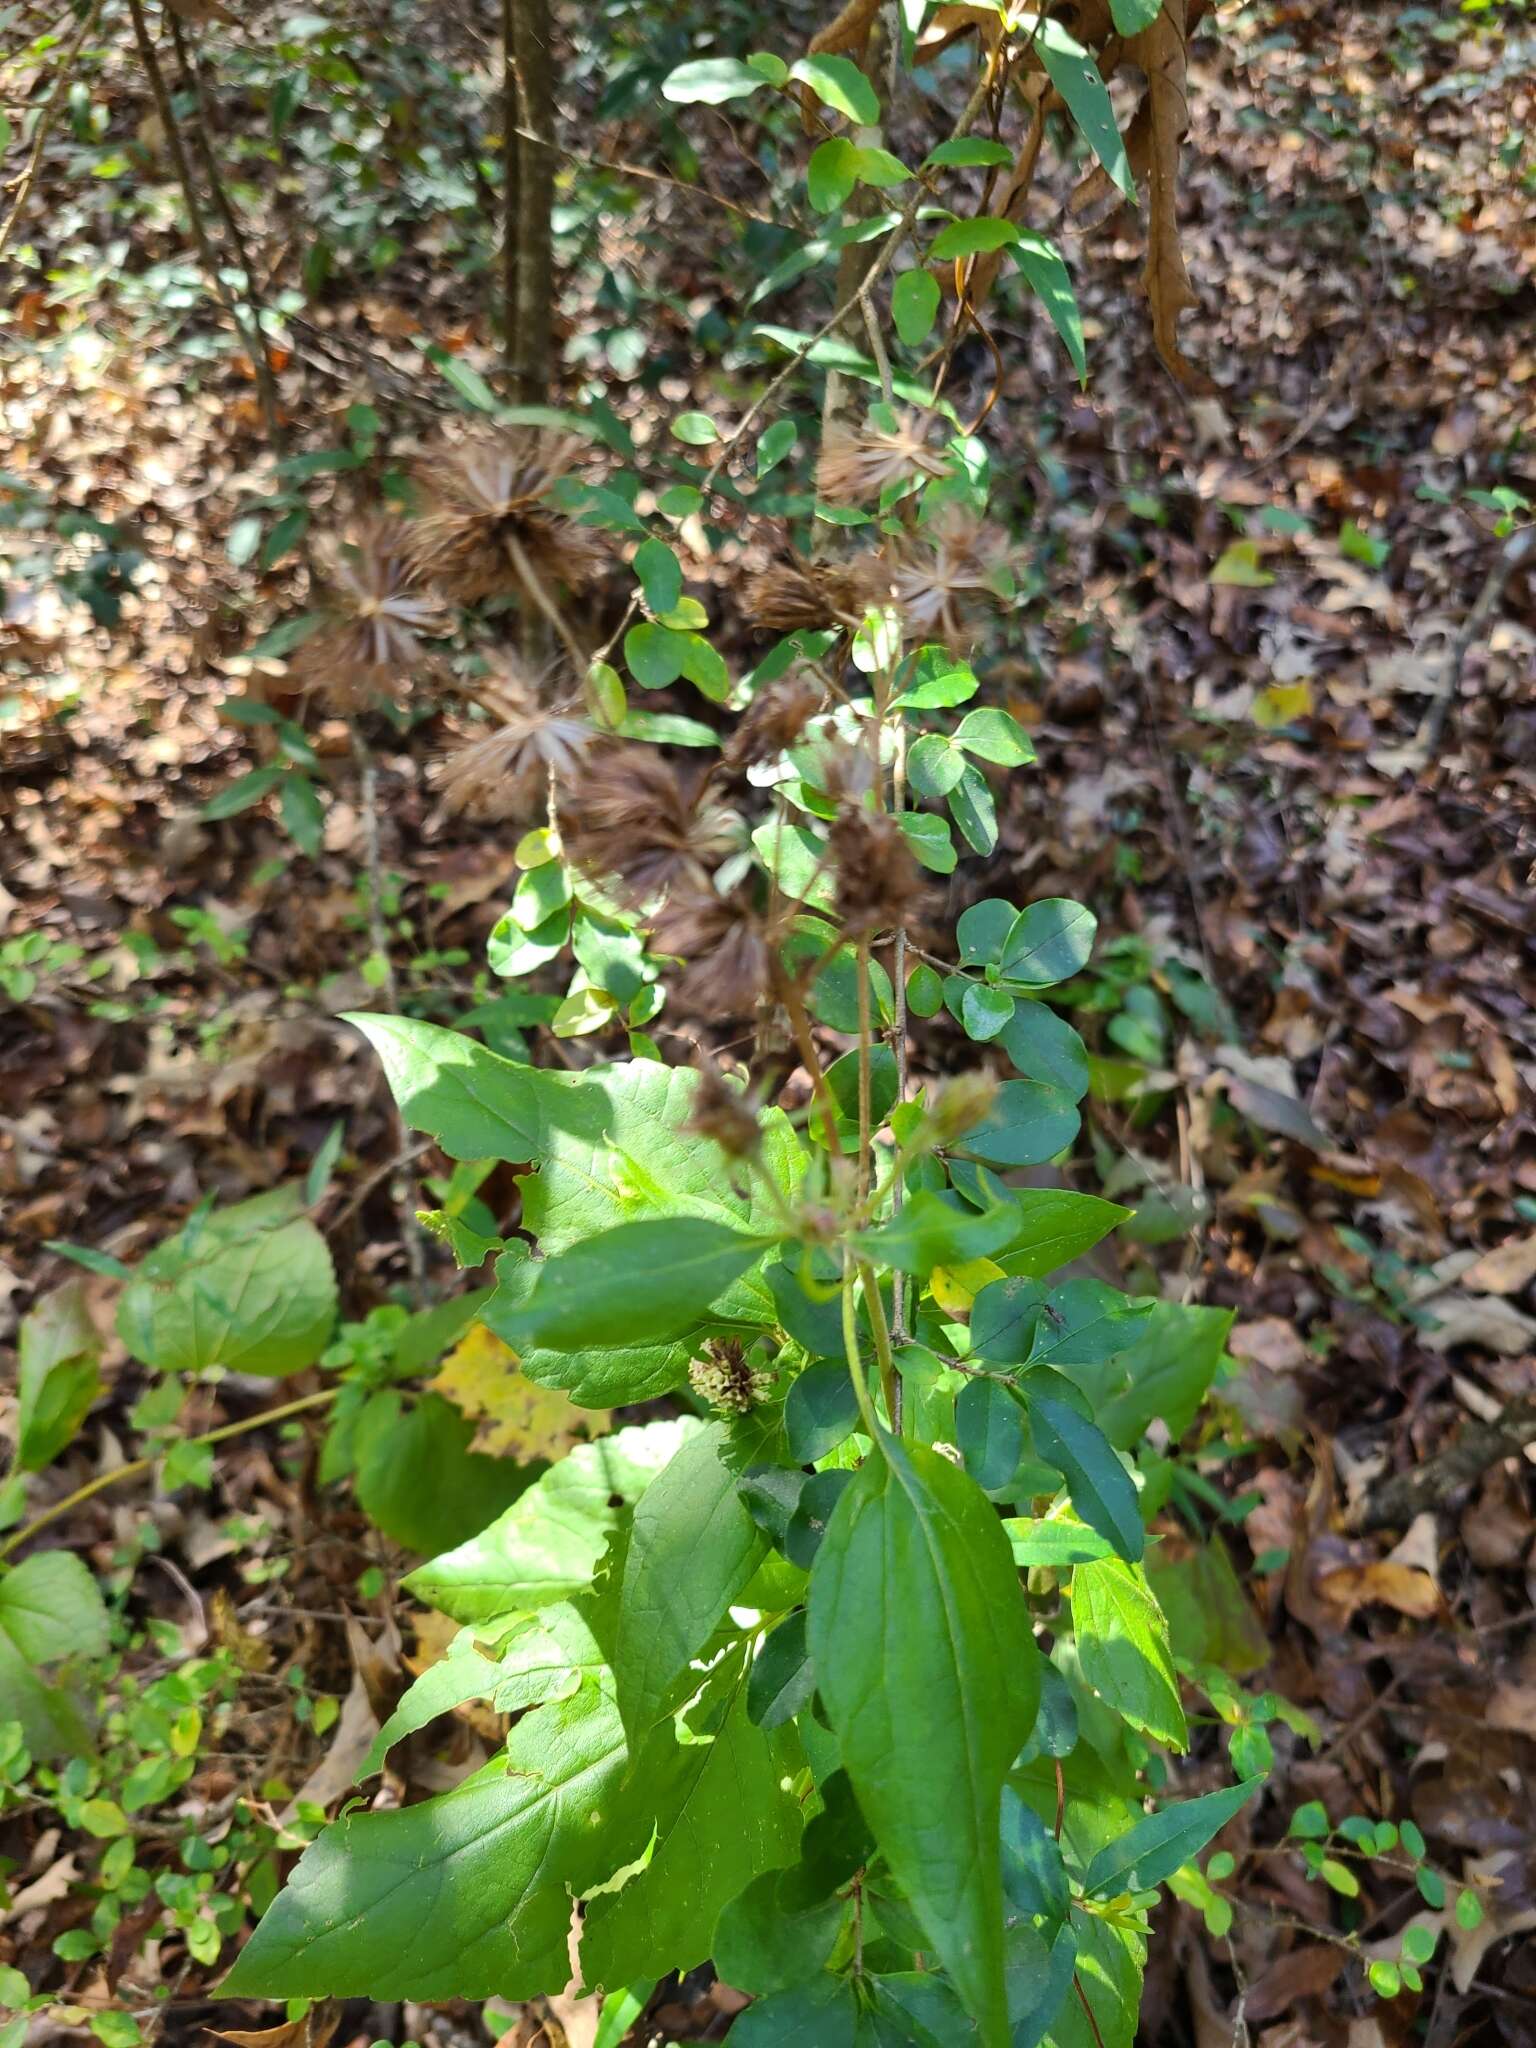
[1382,1584]
[518,1418]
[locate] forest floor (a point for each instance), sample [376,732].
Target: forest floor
[1279,673]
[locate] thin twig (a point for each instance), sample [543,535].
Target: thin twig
[266,386]
[40,133]
[1516,549]
[378,932]
[137,1465]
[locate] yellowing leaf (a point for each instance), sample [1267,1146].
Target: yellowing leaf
[1282,704]
[1240,566]
[954,1288]
[519,1418]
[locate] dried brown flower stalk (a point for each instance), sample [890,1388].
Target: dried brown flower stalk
[876,875]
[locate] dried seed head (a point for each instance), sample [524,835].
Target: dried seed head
[876,878]
[367,646]
[636,825]
[799,596]
[936,579]
[960,1106]
[857,463]
[724,1379]
[488,528]
[773,721]
[721,1111]
[724,944]
[539,738]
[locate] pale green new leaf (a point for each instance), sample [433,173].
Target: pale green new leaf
[251,1287]
[928,1670]
[466,1896]
[50,1609]
[692,1547]
[58,1377]
[547,1544]
[1123,1648]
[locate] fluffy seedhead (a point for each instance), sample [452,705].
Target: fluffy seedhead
[858,463]
[540,738]
[725,944]
[800,596]
[937,579]
[638,827]
[488,528]
[368,646]
[772,722]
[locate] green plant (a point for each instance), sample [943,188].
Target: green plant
[776,1663]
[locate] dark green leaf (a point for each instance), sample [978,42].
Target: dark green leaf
[927,1666]
[1045,1048]
[464,1896]
[931,1230]
[634,1284]
[1076,77]
[1034,1876]
[782,1677]
[820,1411]
[1101,1489]
[692,1547]
[761,1947]
[1159,1845]
[989,1430]
[915,305]
[1050,942]
[1026,1125]
[660,574]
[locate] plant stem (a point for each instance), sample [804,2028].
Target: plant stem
[851,1346]
[890,1385]
[40,133]
[261,369]
[137,1465]
[517,555]
[866,1108]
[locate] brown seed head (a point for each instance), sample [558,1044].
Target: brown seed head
[540,737]
[487,528]
[876,878]
[773,721]
[367,646]
[724,944]
[936,579]
[799,596]
[857,463]
[635,824]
